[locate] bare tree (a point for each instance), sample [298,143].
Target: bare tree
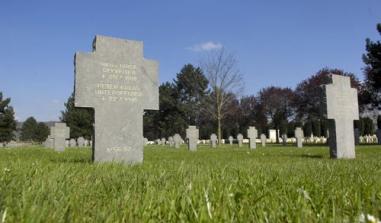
[225,81]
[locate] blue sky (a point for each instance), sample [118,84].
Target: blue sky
[276,42]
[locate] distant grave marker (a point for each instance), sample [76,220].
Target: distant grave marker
[252,134]
[299,135]
[263,140]
[231,140]
[119,84]
[177,140]
[72,143]
[81,141]
[170,141]
[239,139]
[192,136]
[60,132]
[213,140]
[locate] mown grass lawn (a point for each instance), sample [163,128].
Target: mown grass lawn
[274,184]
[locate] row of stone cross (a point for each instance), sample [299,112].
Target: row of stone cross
[192,136]
[119,84]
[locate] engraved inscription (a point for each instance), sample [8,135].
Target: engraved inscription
[119,83]
[119,149]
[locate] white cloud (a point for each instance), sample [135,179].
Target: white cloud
[207,46]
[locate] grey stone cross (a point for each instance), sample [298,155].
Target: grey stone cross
[299,135]
[192,136]
[213,140]
[341,106]
[239,139]
[59,132]
[263,140]
[177,140]
[231,140]
[119,84]
[252,134]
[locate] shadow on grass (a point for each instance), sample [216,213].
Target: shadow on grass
[311,156]
[71,160]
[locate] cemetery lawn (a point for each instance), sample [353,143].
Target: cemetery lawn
[275,184]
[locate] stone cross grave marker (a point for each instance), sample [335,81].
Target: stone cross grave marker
[119,84]
[60,132]
[231,140]
[192,136]
[299,135]
[213,140]
[170,141]
[341,107]
[239,139]
[177,140]
[263,140]
[252,134]
[72,143]
[81,141]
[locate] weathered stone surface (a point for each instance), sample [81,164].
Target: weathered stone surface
[72,143]
[357,136]
[231,140]
[252,134]
[341,107]
[59,132]
[239,139]
[163,141]
[49,142]
[192,136]
[119,84]
[213,140]
[81,141]
[263,140]
[177,140]
[299,135]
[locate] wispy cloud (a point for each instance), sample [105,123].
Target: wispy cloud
[207,46]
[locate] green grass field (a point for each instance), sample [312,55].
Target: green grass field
[275,184]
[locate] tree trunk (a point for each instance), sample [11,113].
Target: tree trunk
[219,130]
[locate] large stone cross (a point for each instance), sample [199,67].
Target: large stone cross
[299,135]
[342,108]
[119,84]
[192,136]
[252,134]
[59,132]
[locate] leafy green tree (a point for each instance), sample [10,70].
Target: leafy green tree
[7,120]
[192,88]
[316,127]
[277,106]
[80,120]
[308,93]
[307,128]
[379,122]
[41,133]
[28,129]
[372,70]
